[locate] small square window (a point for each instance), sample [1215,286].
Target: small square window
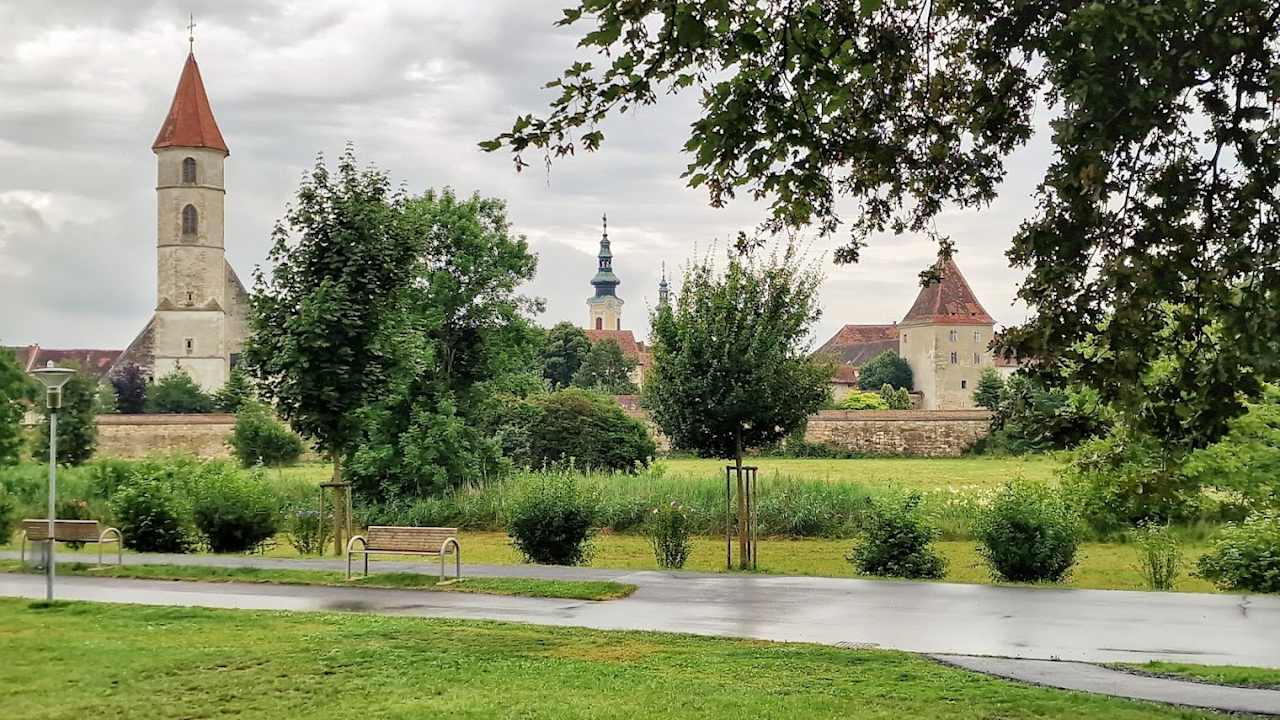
[977,336]
[955,359]
[190,344]
[964,384]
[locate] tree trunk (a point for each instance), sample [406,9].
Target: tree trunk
[339,506]
[744,552]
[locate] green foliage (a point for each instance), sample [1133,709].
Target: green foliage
[152,517]
[989,390]
[895,542]
[583,427]
[8,516]
[1032,417]
[1126,479]
[130,387]
[553,521]
[606,369]
[457,338]
[260,439]
[234,512]
[731,368]
[1157,196]
[1159,557]
[1247,460]
[233,395]
[1246,556]
[887,368]
[563,350]
[342,261]
[308,530]
[668,530]
[77,423]
[895,399]
[177,393]
[1028,534]
[858,400]
[15,387]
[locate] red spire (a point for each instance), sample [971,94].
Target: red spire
[190,121]
[948,300]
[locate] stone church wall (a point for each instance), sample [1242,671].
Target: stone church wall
[909,433]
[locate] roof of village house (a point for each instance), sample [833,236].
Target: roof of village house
[845,375]
[948,300]
[190,120]
[95,363]
[856,344]
[625,339]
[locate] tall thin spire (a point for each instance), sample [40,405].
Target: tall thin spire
[664,290]
[605,281]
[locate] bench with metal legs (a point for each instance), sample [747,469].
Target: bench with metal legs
[389,540]
[81,531]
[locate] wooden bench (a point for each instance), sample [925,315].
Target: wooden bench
[81,531]
[388,540]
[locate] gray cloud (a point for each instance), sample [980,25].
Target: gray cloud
[415,86]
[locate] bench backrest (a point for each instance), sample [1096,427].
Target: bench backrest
[409,539]
[63,530]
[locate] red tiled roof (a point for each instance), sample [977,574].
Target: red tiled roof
[856,344]
[845,375]
[190,121]
[625,339]
[948,300]
[95,363]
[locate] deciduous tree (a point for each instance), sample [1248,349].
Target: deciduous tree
[131,389]
[563,350]
[606,369]
[887,368]
[731,362]
[77,423]
[15,387]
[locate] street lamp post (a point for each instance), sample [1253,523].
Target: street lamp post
[53,378]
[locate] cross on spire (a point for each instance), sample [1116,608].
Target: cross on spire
[191,34]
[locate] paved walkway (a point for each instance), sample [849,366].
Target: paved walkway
[1088,626]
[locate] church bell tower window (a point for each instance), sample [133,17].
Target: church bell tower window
[190,220]
[189,171]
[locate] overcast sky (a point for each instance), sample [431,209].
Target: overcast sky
[85,85]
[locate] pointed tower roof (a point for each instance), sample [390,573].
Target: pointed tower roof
[190,121]
[948,300]
[605,282]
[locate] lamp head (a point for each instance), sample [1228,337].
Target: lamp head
[53,378]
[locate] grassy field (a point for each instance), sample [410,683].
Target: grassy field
[82,660]
[520,587]
[907,473]
[1216,674]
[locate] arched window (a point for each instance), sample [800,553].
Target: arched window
[619,324]
[189,171]
[190,220]
[599,323]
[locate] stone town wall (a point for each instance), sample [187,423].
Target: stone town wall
[910,433]
[135,436]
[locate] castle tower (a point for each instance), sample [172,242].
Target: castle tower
[946,338]
[191,323]
[604,309]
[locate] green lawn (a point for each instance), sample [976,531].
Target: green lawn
[522,587]
[912,473]
[1216,674]
[79,660]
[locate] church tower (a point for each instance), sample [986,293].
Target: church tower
[604,309]
[191,328]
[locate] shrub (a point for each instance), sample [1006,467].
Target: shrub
[308,530]
[1029,533]
[856,400]
[130,387]
[894,542]
[71,508]
[177,393]
[989,388]
[668,531]
[1246,461]
[552,521]
[233,395]
[581,426]
[151,517]
[8,516]
[260,439]
[1245,556]
[895,398]
[1159,557]
[1126,479]
[887,368]
[235,512]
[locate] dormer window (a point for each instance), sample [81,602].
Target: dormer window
[190,220]
[189,171]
